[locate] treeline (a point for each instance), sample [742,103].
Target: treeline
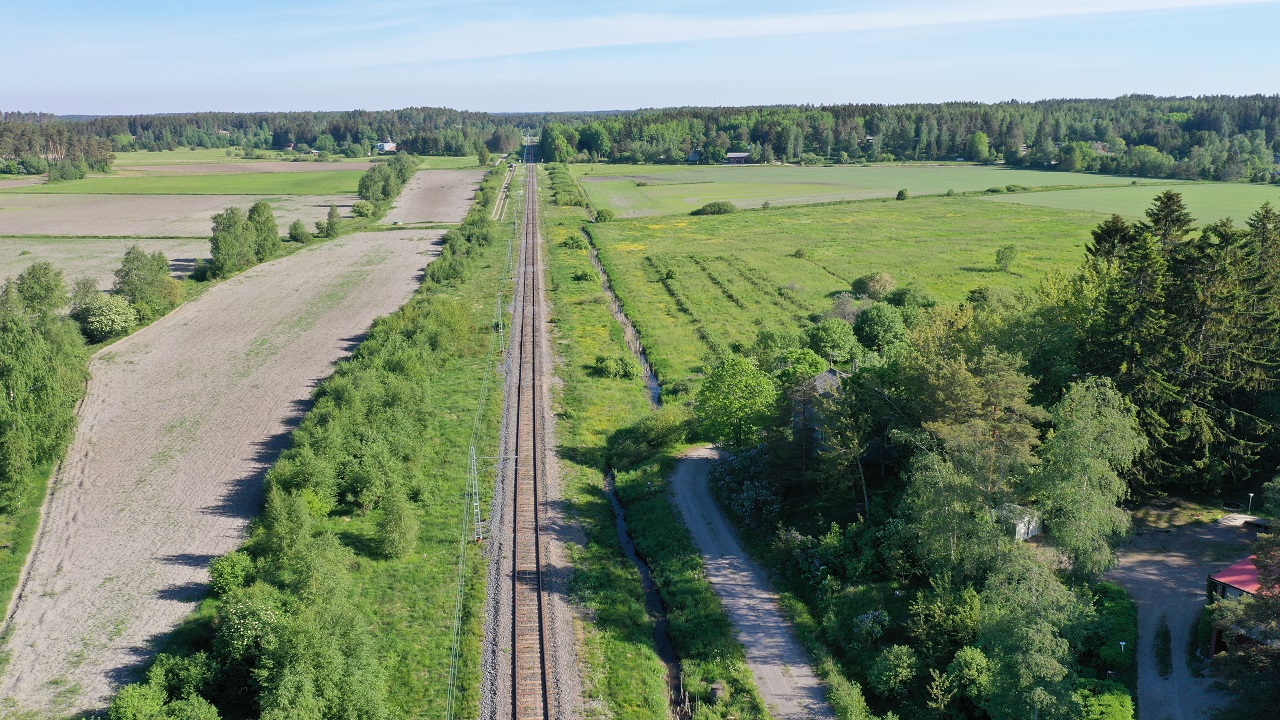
[423,131]
[286,639]
[1215,137]
[34,148]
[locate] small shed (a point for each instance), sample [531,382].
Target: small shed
[1024,522]
[1239,579]
[737,158]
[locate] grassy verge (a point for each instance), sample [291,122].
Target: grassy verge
[624,676]
[18,529]
[625,673]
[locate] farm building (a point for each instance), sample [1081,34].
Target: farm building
[386,146]
[737,158]
[1024,522]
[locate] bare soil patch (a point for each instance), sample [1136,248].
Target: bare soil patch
[1165,570]
[179,424]
[780,665]
[241,167]
[436,196]
[20,182]
[148,215]
[97,258]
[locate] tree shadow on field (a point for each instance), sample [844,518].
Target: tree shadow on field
[972,269]
[191,560]
[244,499]
[186,592]
[182,266]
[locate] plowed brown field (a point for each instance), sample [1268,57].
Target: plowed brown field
[152,215]
[97,258]
[180,421]
[436,196]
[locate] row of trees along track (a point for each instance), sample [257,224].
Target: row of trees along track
[530,696]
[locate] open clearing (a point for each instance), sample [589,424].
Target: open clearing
[94,257]
[325,182]
[1165,572]
[780,665]
[435,196]
[180,422]
[145,215]
[1206,201]
[12,182]
[670,189]
[737,273]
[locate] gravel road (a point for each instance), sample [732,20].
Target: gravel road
[180,422]
[1165,572]
[780,665]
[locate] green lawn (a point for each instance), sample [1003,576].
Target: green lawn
[329,182]
[1207,201]
[694,285]
[671,189]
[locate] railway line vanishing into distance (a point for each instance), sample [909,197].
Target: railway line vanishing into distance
[530,659]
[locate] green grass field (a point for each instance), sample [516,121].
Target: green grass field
[623,670]
[672,189]
[697,284]
[332,182]
[1207,201]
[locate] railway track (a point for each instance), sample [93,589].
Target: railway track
[531,698]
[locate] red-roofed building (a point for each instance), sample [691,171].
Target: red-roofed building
[1239,579]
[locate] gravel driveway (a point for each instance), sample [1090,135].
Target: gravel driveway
[778,662]
[1165,572]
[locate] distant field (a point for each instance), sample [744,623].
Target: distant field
[335,182]
[1207,201]
[679,189]
[216,156]
[94,257]
[736,273]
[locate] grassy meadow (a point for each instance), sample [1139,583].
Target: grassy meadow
[1206,201]
[694,285]
[623,670]
[328,182]
[637,190]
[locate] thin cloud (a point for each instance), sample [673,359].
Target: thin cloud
[425,43]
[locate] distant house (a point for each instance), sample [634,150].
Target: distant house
[1024,522]
[737,158]
[386,146]
[694,157]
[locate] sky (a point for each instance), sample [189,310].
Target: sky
[108,57]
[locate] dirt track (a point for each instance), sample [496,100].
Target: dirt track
[152,215]
[180,421]
[435,196]
[241,167]
[778,662]
[1165,571]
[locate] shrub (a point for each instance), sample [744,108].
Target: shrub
[145,282]
[719,207]
[1106,700]
[1005,257]
[874,286]
[894,670]
[230,571]
[902,194]
[398,526]
[107,316]
[363,208]
[995,190]
[604,215]
[138,702]
[610,366]
[910,297]
[298,232]
[575,242]
[880,326]
[800,254]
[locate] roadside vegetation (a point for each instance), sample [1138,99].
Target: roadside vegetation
[341,604]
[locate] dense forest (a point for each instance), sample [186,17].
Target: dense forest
[894,495]
[1218,138]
